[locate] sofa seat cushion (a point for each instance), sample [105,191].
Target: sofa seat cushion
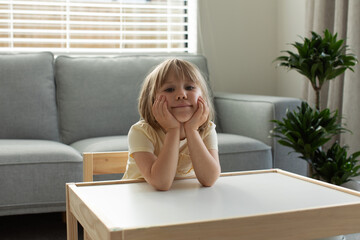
[102,144]
[239,153]
[33,174]
[27,97]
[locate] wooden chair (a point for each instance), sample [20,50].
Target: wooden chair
[98,163]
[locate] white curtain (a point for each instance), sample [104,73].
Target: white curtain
[342,93]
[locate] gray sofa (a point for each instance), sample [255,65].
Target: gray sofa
[53,109]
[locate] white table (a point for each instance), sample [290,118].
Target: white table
[268,204]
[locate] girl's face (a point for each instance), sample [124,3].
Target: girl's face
[181,96]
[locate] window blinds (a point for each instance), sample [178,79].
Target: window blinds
[98,26]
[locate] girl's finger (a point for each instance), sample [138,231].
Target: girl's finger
[156,107]
[155,110]
[156,102]
[164,107]
[205,111]
[202,104]
[159,106]
[205,103]
[206,107]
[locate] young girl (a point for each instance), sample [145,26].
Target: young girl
[176,136]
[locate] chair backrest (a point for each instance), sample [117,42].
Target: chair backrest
[98,163]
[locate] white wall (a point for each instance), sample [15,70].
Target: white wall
[241,38]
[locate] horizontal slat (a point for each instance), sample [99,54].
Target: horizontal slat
[180,4]
[105,41]
[94,23]
[34,31]
[93,14]
[108,163]
[98,51]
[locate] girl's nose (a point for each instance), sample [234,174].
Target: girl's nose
[181,94]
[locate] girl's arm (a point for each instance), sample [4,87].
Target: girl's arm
[205,162]
[159,171]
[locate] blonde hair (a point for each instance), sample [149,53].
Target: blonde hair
[155,80]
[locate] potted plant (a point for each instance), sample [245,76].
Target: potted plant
[306,130]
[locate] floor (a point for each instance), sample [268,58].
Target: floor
[47,226]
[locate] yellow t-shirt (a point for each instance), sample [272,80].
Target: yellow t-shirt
[144,138]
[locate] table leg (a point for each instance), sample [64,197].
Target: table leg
[86,236]
[71,222]
[71,227]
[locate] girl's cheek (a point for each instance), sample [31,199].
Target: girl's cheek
[198,96]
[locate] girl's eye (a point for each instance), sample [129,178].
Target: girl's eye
[189,88]
[169,89]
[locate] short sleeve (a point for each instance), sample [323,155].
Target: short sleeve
[210,139]
[138,141]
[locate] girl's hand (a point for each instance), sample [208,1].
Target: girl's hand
[199,117]
[162,114]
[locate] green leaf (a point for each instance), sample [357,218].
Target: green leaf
[335,73]
[306,130]
[319,58]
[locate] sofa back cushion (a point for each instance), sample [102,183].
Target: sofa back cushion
[98,96]
[27,97]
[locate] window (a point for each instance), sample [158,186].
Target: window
[98,26]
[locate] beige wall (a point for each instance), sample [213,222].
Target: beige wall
[290,26]
[241,38]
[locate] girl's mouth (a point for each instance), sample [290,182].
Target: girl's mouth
[182,106]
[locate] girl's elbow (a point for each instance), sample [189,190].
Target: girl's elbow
[209,182]
[163,189]
[160,182]
[162,186]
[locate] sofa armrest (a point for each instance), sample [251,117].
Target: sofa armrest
[250,116]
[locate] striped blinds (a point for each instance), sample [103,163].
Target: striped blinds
[98,26]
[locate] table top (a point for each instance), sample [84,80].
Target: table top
[138,205]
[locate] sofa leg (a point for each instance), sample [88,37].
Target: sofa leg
[63,217]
